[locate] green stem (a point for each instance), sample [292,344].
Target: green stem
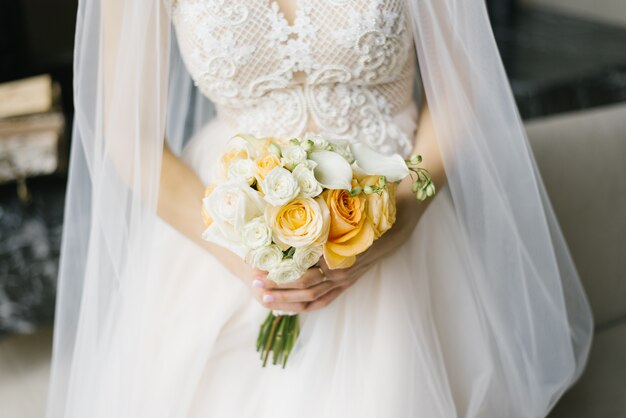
[292,334]
[279,342]
[264,332]
[268,345]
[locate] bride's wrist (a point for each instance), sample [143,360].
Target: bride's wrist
[408,210]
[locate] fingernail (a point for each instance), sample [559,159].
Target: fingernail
[257,283]
[268,298]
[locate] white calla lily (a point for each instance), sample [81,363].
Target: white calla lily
[370,162]
[332,170]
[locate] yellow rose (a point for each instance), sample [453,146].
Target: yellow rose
[265,164]
[206,217]
[381,207]
[351,232]
[301,222]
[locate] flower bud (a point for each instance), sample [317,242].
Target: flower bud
[356,191]
[430,190]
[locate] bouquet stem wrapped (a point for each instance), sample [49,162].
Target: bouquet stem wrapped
[278,335]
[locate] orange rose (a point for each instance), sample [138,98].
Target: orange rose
[206,217]
[351,232]
[381,207]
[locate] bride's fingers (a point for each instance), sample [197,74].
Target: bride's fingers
[300,295]
[310,278]
[277,305]
[325,299]
[337,275]
[260,280]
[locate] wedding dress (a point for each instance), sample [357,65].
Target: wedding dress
[412,338]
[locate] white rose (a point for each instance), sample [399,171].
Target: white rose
[236,149]
[285,272]
[292,155]
[280,186]
[265,258]
[309,186]
[245,170]
[256,234]
[306,257]
[231,206]
[319,143]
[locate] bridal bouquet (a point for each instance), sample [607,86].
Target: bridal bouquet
[283,204]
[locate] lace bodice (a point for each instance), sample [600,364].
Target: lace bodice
[342,68]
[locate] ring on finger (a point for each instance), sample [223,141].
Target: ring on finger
[324,277]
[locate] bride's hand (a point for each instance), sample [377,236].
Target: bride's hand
[319,286]
[296,296]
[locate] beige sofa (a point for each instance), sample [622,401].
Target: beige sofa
[582,157]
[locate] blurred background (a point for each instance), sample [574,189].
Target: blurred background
[566,61]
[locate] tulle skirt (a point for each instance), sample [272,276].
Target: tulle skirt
[407,340]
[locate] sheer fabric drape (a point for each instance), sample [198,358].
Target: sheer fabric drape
[530,298]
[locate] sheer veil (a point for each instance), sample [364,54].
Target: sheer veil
[132,91]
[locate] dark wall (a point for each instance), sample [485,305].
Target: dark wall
[36,37]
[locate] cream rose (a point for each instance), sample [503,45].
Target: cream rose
[292,155]
[285,272]
[265,164]
[256,233]
[243,169]
[306,257]
[280,186]
[206,218]
[265,258]
[236,149]
[301,222]
[309,186]
[231,206]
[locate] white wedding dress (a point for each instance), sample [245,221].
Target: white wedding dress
[409,339]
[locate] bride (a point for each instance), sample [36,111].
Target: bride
[469,307]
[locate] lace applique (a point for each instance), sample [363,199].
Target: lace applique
[293,43]
[377,34]
[356,56]
[356,113]
[226,12]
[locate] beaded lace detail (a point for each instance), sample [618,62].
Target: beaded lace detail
[343,68]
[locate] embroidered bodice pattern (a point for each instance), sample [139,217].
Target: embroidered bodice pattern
[341,69]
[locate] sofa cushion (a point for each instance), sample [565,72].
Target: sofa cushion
[602,388]
[582,158]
